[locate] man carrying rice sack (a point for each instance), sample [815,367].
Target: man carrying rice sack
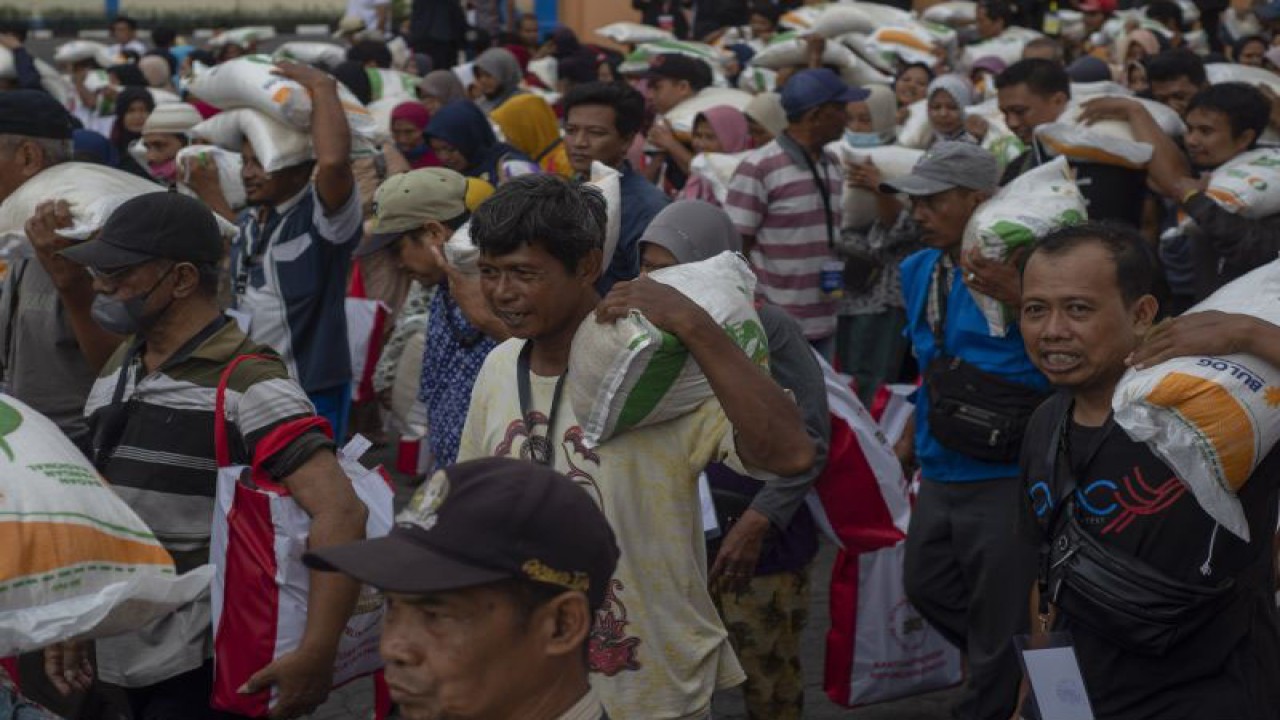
[1171,616]
[43,365]
[289,262]
[659,649]
[964,572]
[152,416]
[1036,92]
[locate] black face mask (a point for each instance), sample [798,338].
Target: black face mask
[129,316]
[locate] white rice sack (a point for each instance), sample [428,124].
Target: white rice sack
[77,561]
[801,18]
[870,54]
[638,60]
[75,51]
[621,374]
[1212,419]
[546,70]
[1032,206]
[7,69]
[277,145]
[859,207]
[86,187]
[632,33]
[1219,73]
[916,132]
[248,82]
[1102,143]
[381,111]
[1248,184]
[228,164]
[461,251]
[717,170]
[790,51]
[910,44]
[164,97]
[56,85]
[836,20]
[756,80]
[1007,46]
[953,13]
[311,53]
[243,36]
[609,181]
[386,84]
[681,117]
[1103,88]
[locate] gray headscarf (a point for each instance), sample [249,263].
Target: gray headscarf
[500,63]
[693,230]
[442,85]
[957,86]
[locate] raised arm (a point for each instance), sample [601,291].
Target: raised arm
[330,134]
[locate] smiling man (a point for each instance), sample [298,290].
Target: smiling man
[1087,312]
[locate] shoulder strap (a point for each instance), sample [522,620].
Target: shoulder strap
[221,448]
[940,290]
[795,150]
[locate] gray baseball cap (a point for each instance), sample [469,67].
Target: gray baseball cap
[945,166]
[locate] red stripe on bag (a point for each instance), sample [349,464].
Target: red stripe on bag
[843,609]
[246,638]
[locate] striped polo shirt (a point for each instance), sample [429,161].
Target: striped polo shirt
[773,196]
[289,267]
[153,432]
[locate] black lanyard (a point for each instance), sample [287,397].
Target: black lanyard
[819,180]
[541,449]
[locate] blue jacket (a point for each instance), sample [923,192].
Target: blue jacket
[965,336]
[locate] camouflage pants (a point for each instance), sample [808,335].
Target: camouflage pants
[765,623]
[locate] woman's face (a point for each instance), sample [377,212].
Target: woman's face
[449,155]
[760,135]
[1251,53]
[911,86]
[136,116]
[704,138]
[859,117]
[407,135]
[944,113]
[487,83]
[431,103]
[161,147]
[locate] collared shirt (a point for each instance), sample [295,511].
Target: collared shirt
[774,198]
[641,202]
[290,274]
[154,438]
[966,336]
[588,708]
[43,365]
[455,352]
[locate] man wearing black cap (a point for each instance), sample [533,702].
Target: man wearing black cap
[492,574]
[43,366]
[673,80]
[151,413]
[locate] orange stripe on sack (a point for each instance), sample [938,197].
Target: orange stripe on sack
[281,96]
[32,548]
[1225,198]
[1087,153]
[1218,416]
[902,37]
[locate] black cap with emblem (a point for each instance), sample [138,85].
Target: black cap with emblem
[483,521]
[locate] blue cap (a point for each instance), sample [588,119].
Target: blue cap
[808,89]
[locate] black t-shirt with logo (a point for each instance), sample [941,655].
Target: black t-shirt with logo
[1132,501]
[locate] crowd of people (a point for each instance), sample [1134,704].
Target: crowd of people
[533,575]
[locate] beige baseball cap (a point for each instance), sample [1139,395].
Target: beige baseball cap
[406,201]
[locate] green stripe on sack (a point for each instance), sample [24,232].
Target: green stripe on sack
[375,83]
[654,383]
[122,530]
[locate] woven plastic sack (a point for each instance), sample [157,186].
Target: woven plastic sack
[248,82]
[1248,184]
[1212,419]
[88,188]
[681,117]
[859,208]
[789,50]
[243,36]
[629,373]
[717,169]
[1219,73]
[836,20]
[228,163]
[277,145]
[387,84]
[75,51]
[953,13]
[1091,144]
[77,561]
[1007,46]
[1035,204]
[311,53]
[916,132]
[632,33]
[910,43]
[638,60]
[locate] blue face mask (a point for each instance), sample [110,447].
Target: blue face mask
[862,139]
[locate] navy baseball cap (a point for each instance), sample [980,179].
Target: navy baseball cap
[808,89]
[34,113]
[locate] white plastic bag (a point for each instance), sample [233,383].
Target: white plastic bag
[619,373]
[1212,419]
[1036,203]
[632,33]
[77,561]
[249,82]
[276,144]
[228,163]
[859,207]
[717,169]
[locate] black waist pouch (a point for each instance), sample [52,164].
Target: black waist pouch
[1122,598]
[976,413]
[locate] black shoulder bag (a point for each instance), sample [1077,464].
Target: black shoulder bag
[1112,593]
[972,412]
